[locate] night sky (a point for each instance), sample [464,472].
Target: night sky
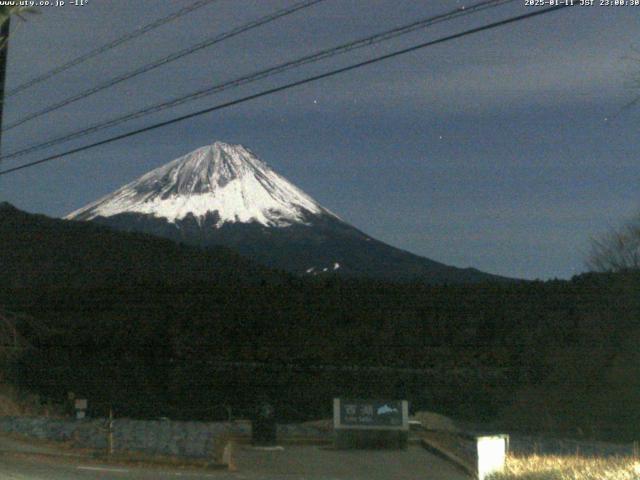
[506,150]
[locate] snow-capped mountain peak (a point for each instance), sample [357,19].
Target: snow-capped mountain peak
[223,195]
[222,179]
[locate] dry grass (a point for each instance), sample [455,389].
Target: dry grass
[548,467]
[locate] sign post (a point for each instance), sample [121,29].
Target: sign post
[110,432]
[263,426]
[370,423]
[80,405]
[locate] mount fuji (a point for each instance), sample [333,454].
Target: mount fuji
[223,194]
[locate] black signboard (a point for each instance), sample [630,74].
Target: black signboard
[371,413]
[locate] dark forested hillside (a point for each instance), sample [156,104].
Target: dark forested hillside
[326,244]
[157,329]
[261,215]
[37,251]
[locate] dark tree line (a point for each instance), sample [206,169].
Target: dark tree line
[159,329]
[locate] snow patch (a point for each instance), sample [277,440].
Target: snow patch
[222,178]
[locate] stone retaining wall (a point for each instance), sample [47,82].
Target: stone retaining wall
[182,439]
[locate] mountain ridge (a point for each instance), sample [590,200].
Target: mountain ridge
[224,195]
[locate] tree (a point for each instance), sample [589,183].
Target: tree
[617,250]
[6,13]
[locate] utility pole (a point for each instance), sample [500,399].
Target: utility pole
[110,432]
[4,33]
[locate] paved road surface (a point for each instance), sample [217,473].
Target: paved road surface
[20,468]
[290,463]
[321,463]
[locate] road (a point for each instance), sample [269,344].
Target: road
[288,463]
[14,467]
[321,463]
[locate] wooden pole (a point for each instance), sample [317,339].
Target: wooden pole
[4,34]
[110,432]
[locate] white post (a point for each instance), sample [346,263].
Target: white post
[492,452]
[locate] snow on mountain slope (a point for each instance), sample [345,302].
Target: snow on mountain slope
[222,178]
[223,195]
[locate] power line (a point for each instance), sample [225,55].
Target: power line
[165,60]
[318,56]
[290,85]
[109,46]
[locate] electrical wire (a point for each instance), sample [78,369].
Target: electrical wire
[109,46]
[165,60]
[246,79]
[287,86]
